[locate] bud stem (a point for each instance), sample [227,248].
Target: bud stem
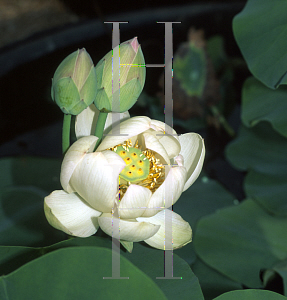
[222,121]
[66,133]
[100,127]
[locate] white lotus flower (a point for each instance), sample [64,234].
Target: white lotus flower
[130,173]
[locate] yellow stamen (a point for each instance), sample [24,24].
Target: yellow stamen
[156,170]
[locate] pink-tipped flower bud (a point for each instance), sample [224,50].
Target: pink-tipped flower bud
[132,73]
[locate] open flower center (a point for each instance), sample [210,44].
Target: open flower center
[142,167]
[137,164]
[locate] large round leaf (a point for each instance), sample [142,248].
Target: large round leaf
[240,241]
[260,103]
[268,190]
[148,260]
[204,197]
[262,152]
[251,295]
[259,148]
[22,218]
[43,173]
[151,261]
[211,281]
[24,182]
[270,276]
[260,31]
[77,273]
[13,257]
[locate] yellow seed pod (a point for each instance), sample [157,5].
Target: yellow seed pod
[137,164]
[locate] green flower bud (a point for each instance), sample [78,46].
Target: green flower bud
[74,83]
[132,78]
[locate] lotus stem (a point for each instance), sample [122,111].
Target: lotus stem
[100,127]
[66,133]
